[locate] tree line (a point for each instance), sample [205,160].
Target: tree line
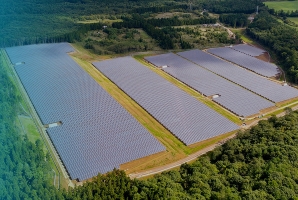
[282,13]
[230,6]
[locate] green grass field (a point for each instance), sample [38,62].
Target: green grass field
[294,19]
[283,5]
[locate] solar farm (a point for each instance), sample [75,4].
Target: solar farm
[188,119]
[258,66]
[93,133]
[97,134]
[231,96]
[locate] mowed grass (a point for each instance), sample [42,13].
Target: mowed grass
[282,5]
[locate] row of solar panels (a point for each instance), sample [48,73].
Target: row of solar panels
[256,65]
[97,134]
[249,50]
[247,79]
[231,96]
[188,119]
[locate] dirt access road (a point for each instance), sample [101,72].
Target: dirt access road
[195,155]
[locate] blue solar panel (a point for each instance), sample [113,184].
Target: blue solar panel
[249,50]
[187,118]
[258,84]
[258,66]
[233,97]
[97,134]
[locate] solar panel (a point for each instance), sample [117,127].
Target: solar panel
[249,50]
[231,96]
[253,82]
[97,134]
[258,66]
[188,119]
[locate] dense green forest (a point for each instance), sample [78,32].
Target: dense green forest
[234,20]
[31,21]
[280,38]
[34,21]
[25,172]
[229,6]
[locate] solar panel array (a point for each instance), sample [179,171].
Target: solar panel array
[97,134]
[258,84]
[187,118]
[249,50]
[233,97]
[246,61]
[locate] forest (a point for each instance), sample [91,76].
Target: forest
[234,20]
[31,21]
